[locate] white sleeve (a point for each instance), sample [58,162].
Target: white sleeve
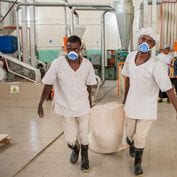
[51,74]
[91,79]
[161,76]
[125,70]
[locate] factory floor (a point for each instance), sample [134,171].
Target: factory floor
[38,147]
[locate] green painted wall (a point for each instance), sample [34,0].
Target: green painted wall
[49,55]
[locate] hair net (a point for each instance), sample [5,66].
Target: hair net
[149,32]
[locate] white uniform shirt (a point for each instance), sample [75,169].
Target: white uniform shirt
[165,58]
[145,81]
[70,87]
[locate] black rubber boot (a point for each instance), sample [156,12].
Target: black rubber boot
[131,148]
[84,158]
[138,170]
[75,153]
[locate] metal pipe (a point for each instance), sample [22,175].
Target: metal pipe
[72,22]
[140,16]
[103,47]
[146,13]
[32,36]
[102,35]
[76,15]
[66,23]
[139,23]
[25,40]
[38,4]
[17,32]
[84,9]
[0,15]
[154,18]
[92,8]
[53,5]
[8,1]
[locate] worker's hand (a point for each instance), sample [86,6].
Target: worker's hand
[40,111]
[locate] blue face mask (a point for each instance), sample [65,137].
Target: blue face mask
[144,47]
[72,55]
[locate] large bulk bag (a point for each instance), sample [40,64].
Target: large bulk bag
[106,127]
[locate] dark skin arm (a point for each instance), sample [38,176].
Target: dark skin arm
[89,89]
[45,94]
[127,85]
[173,98]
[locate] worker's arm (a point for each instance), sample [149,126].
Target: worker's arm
[127,84]
[89,89]
[172,97]
[45,94]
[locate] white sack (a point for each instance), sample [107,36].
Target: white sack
[106,127]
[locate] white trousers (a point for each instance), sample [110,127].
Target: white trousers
[137,130]
[76,128]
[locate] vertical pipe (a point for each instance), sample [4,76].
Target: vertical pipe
[154,21]
[146,12]
[66,23]
[139,23]
[165,19]
[24,25]
[172,24]
[169,23]
[72,22]
[175,22]
[76,18]
[1,24]
[161,24]
[32,23]
[103,47]
[140,16]
[18,32]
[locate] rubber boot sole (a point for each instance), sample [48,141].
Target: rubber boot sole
[139,175]
[86,170]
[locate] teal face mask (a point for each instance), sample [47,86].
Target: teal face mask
[72,55]
[144,47]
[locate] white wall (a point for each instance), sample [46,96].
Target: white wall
[50,25]
[51,29]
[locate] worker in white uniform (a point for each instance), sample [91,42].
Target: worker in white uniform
[144,75]
[166,57]
[71,77]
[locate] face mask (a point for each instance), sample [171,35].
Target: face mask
[72,55]
[144,47]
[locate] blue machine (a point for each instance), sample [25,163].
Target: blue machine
[8,44]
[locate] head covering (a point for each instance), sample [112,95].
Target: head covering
[149,32]
[166,46]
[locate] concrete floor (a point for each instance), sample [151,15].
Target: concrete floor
[39,150]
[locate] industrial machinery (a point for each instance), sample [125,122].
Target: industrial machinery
[21,69]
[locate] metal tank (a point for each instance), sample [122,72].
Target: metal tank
[124,11]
